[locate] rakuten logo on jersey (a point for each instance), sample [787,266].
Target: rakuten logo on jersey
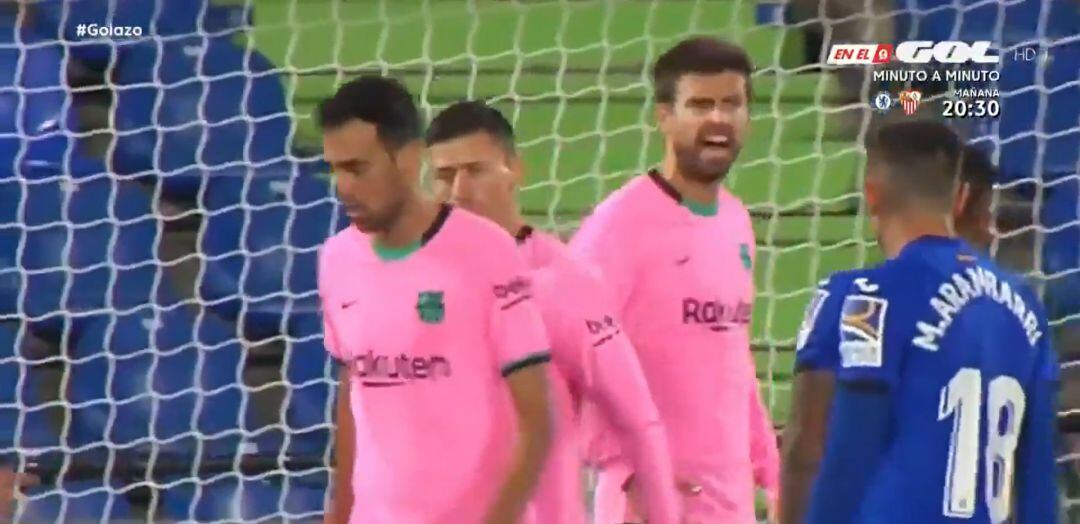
[716,315]
[916,52]
[387,371]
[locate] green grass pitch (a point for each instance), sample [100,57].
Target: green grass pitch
[573,77]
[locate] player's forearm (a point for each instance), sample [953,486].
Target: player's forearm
[798,469]
[534,441]
[341,499]
[796,480]
[653,472]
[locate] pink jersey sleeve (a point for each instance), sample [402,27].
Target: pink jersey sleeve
[597,242]
[515,329]
[617,385]
[325,276]
[763,449]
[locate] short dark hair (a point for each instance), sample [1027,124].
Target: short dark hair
[468,117]
[380,101]
[922,159]
[698,55]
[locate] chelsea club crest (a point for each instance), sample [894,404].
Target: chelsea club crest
[883,102]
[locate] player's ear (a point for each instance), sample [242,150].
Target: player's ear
[873,193]
[962,200]
[409,159]
[663,112]
[517,169]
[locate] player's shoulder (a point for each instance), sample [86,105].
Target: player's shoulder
[342,244]
[622,206]
[732,205]
[823,310]
[839,282]
[1015,280]
[466,229]
[572,276]
[541,248]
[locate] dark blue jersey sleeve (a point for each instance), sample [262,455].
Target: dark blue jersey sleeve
[818,342]
[858,439]
[873,329]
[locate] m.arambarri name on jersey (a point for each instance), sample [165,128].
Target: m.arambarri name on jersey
[967,285]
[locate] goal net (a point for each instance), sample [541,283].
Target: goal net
[161,352]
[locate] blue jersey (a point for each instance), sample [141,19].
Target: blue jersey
[958,353]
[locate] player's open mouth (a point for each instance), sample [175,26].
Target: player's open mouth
[716,143]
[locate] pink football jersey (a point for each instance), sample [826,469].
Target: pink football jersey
[683,288]
[593,361]
[427,340]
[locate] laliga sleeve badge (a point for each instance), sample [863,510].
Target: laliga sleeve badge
[862,328]
[883,102]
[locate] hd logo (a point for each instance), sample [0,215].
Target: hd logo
[862,325]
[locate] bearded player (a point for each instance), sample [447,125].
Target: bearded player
[443,407]
[944,390]
[817,353]
[677,250]
[477,167]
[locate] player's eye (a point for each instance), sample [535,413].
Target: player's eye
[478,168]
[733,102]
[445,174]
[700,104]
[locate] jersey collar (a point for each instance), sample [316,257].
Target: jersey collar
[697,208]
[388,254]
[524,234]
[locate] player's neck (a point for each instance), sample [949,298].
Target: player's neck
[899,231]
[692,190]
[417,216]
[511,220]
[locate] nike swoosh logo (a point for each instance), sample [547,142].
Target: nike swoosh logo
[347,305]
[682,261]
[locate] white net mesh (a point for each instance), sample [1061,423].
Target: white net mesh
[161,352]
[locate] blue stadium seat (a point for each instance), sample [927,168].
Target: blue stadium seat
[59,20]
[1022,90]
[1060,214]
[299,496]
[309,409]
[94,239]
[25,429]
[260,239]
[36,116]
[81,501]
[1007,23]
[220,105]
[173,379]
[24,423]
[11,232]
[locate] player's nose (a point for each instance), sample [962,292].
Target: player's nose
[462,186]
[718,116]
